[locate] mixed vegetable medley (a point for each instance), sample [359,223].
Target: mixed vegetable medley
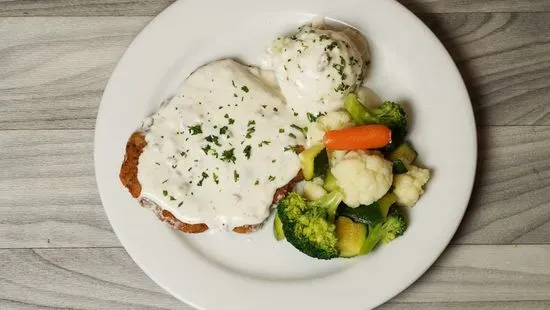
[360,175]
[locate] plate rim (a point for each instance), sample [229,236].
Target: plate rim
[398,6]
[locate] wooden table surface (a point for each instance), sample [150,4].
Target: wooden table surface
[58,251]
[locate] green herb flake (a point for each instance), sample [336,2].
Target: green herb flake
[303,130]
[180,204]
[235,175]
[164,182]
[195,130]
[257,182]
[245,89]
[264,106]
[264,143]
[233,83]
[165,193]
[213,139]
[247,151]
[271,178]
[231,121]
[251,123]
[172,198]
[223,130]
[295,148]
[281,130]
[249,132]
[229,155]
[206,149]
[331,46]
[275,110]
[216,178]
[312,118]
[204,177]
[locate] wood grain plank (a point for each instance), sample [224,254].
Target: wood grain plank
[509,277]
[505,59]
[461,6]
[153,7]
[511,198]
[48,196]
[54,70]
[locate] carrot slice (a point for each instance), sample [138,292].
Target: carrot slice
[358,138]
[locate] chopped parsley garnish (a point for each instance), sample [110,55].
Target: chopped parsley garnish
[271,178]
[165,193]
[164,182]
[216,178]
[274,161]
[295,148]
[342,87]
[302,129]
[174,166]
[223,130]
[204,177]
[157,163]
[172,198]
[206,149]
[247,151]
[293,136]
[245,89]
[281,130]
[323,37]
[233,82]
[180,204]
[235,175]
[213,139]
[312,118]
[249,132]
[235,95]
[257,182]
[226,115]
[331,46]
[231,121]
[264,106]
[251,122]
[195,130]
[229,155]
[275,110]
[264,143]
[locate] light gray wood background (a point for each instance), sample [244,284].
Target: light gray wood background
[58,251]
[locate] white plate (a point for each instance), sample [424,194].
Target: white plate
[230,271]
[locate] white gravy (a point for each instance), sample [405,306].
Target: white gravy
[218,150]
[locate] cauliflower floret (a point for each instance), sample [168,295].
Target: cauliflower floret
[331,121]
[313,191]
[363,177]
[408,186]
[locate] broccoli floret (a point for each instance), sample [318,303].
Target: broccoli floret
[309,226]
[389,113]
[393,227]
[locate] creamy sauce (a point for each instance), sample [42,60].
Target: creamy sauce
[219,149]
[316,68]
